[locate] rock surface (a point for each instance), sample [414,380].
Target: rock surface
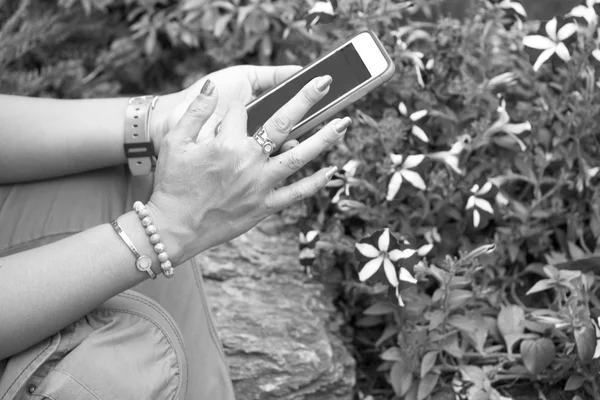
[277,326]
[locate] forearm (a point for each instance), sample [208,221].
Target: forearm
[43,138]
[45,289]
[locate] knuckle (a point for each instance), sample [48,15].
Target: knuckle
[298,193]
[294,161]
[309,96]
[199,109]
[327,137]
[282,122]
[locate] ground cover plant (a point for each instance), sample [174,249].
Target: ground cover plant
[462,231]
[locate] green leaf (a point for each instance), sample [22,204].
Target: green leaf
[393,354]
[576,252]
[450,346]
[401,377]
[381,308]
[541,285]
[458,298]
[428,362]
[473,329]
[427,384]
[510,324]
[537,354]
[435,319]
[474,375]
[585,339]
[574,382]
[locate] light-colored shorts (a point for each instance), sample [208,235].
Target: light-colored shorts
[154,342]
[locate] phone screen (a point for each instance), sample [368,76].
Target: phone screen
[344,66]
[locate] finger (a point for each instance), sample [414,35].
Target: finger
[266,77]
[197,113]
[235,121]
[283,165]
[290,144]
[281,123]
[300,190]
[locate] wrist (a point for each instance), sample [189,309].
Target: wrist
[159,123]
[173,235]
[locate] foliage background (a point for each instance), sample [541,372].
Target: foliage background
[549,213]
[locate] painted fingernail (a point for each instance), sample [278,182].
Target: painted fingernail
[208,88]
[330,172]
[324,82]
[343,124]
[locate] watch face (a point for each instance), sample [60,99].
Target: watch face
[143,263]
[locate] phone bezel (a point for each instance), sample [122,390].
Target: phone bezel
[368,48]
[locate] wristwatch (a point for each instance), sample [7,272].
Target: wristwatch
[139,148]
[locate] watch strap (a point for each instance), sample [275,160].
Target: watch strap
[139,148]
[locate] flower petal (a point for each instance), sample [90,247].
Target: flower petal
[517,129]
[384,240]
[484,205]
[400,302]
[420,80]
[545,56]
[417,115]
[414,179]
[402,109]
[367,250]
[396,158]
[413,161]
[580,11]
[470,203]
[394,186]
[420,133]
[311,235]
[538,42]
[350,167]
[551,27]
[476,218]
[424,250]
[338,195]
[566,31]
[562,51]
[406,276]
[518,8]
[370,268]
[390,272]
[396,255]
[485,188]
[596,54]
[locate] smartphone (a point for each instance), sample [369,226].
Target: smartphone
[358,66]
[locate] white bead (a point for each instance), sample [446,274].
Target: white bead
[169,273]
[163,257]
[155,238]
[147,221]
[159,248]
[166,265]
[150,231]
[138,206]
[143,213]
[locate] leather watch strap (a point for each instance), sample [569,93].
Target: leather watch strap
[139,148]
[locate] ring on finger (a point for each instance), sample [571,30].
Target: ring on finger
[263,140]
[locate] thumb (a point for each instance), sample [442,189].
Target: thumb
[197,113]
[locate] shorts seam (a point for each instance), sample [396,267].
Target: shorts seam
[162,313]
[76,380]
[160,328]
[25,369]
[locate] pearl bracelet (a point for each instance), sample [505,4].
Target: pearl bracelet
[159,248]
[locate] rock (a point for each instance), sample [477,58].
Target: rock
[278,327]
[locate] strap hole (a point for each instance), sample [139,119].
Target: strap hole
[137,109]
[135,116]
[139,163]
[135,125]
[135,135]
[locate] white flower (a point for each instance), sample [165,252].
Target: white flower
[513,5]
[503,124]
[451,157]
[380,256]
[475,202]
[425,249]
[318,11]
[414,117]
[553,44]
[586,11]
[597,327]
[403,171]
[344,180]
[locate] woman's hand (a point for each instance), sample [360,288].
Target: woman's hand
[210,189]
[241,83]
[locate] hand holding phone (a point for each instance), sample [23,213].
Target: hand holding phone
[357,67]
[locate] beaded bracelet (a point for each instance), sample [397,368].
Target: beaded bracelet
[159,248]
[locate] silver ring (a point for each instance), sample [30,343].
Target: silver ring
[261,137]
